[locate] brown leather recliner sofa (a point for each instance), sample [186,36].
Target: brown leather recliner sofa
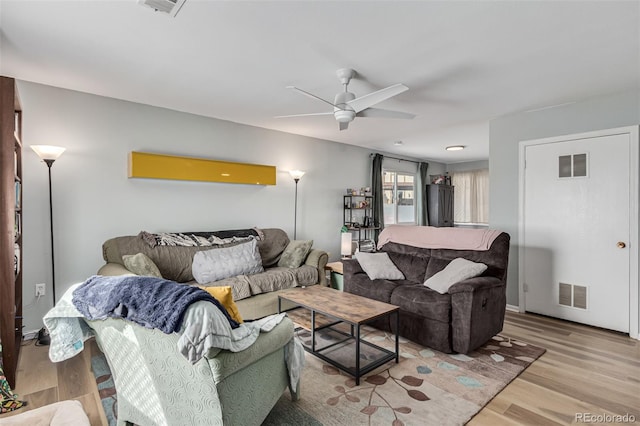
[461,320]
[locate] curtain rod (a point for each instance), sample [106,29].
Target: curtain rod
[396,158]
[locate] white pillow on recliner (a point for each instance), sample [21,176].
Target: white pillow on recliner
[379,266]
[457,270]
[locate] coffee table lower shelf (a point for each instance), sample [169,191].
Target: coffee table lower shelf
[340,343]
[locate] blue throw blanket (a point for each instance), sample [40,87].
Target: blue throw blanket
[149,301]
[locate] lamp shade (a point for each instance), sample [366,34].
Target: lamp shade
[296,174]
[48,152]
[345,244]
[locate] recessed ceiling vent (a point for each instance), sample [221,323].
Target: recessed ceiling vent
[170,7]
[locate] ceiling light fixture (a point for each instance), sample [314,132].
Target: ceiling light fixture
[455,148]
[398,143]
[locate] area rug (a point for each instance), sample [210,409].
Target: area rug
[426,387]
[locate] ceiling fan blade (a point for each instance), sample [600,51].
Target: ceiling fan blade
[311,95]
[385,113]
[304,115]
[366,101]
[344,126]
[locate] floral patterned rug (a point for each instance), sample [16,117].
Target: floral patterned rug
[426,387]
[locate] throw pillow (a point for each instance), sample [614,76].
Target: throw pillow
[295,253]
[378,266]
[225,262]
[457,270]
[224,295]
[140,264]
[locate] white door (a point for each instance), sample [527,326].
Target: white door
[576,230]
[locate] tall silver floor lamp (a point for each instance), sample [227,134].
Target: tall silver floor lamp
[49,154]
[296,175]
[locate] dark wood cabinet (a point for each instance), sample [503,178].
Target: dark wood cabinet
[10,227]
[440,205]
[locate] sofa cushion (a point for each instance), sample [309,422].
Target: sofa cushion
[379,266]
[272,279]
[140,264]
[413,267]
[295,253]
[224,295]
[279,278]
[436,264]
[380,290]
[271,247]
[219,263]
[306,275]
[457,270]
[422,301]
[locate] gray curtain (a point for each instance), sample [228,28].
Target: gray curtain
[423,182]
[378,195]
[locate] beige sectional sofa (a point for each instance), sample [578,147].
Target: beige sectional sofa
[256,295]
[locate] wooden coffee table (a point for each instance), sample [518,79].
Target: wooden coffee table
[337,308]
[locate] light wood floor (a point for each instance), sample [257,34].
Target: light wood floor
[585,370]
[41,382]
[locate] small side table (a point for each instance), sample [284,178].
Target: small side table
[335,271]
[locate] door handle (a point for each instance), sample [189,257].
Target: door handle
[621,244]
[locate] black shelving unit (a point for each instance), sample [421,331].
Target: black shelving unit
[358,218]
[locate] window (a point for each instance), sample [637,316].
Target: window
[399,197]
[471,197]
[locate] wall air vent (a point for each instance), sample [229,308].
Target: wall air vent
[572,295]
[170,7]
[570,166]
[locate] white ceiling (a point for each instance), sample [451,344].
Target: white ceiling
[464,62]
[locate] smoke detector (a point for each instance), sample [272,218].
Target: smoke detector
[170,7]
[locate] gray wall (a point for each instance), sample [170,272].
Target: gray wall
[467,166]
[94,200]
[506,132]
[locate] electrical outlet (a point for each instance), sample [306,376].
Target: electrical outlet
[40,289]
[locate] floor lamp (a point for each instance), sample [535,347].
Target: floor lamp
[49,154]
[296,175]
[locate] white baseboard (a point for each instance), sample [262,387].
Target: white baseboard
[513,308]
[30,335]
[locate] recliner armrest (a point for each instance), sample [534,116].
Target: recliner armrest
[225,363]
[474,284]
[477,312]
[318,259]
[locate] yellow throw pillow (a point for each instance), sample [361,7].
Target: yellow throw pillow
[225,297]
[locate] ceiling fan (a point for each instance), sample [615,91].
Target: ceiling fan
[346,107]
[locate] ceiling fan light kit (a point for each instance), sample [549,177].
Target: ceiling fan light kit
[346,106]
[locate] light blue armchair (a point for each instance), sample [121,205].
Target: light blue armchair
[156,385]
